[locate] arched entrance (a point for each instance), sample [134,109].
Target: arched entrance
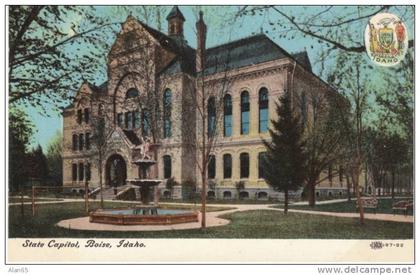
[116,171]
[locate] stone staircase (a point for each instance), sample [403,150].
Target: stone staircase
[109,193]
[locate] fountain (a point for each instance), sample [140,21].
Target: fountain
[145,213]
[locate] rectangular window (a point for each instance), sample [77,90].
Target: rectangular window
[81,171]
[86,115]
[211,170]
[79,116]
[74,171]
[87,138]
[120,119]
[81,142]
[128,120]
[88,172]
[75,143]
[137,120]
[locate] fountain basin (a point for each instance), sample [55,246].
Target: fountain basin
[137,216]
[143,182]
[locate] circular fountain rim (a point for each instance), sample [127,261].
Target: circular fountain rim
[98,216]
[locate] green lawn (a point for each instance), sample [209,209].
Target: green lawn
[19,200]
[248,224]
[384,206]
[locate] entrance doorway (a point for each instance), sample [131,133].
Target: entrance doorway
[116,171]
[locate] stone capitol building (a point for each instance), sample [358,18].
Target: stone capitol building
[152,72]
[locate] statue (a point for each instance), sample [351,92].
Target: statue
[145,148]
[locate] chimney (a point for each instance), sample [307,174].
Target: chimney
[201,44]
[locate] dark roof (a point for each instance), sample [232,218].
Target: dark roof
[175,12]
[132,137]
[185,54]
[101,89]
[303,59]
[244,52]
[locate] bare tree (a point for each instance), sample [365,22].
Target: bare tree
[323,137]
[350,81]
[325,24]
[51,51]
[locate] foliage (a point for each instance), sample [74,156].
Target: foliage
[54,159]
[21,130]
[285,152]
[37,165]
[170,183]
[189,189]
[324,138]
[51,50]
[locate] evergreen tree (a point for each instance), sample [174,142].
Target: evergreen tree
[54,159]
[285,153]
[37,164]
[21,130]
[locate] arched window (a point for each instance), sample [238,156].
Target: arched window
[261,164]
[227,118]
[244,113]
[227,166]
[132,93]
[263,110]
[75,142]
[211,170]
[167,109]
[211,117]
[167,167]
[227,194]
[244,161]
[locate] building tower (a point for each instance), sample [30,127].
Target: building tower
[176,23]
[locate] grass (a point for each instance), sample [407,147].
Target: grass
[221,201]
[384,206]
[19,200]
[247,224]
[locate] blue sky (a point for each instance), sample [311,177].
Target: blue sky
[219,31]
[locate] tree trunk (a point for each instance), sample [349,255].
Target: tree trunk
[311,193]
[286,200]
[355,180]
[203,200]
[393,184]
[86,197]
[348,188]
[100,181]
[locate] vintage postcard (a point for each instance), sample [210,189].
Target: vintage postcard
[246,134]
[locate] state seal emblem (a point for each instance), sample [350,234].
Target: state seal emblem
[386,39]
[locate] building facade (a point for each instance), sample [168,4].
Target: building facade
[156,84]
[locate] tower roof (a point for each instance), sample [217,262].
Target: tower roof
[175,12]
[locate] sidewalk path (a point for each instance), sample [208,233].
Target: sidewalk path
[214,219]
